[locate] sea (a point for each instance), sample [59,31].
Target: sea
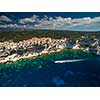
[68,71]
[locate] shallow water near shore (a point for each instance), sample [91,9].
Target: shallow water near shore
[42,71]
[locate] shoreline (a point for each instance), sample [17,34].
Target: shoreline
[34,56]
[15,57]
[34,47]
[12,51]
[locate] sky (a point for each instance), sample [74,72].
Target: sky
[74,21]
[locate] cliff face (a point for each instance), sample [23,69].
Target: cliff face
[11,51]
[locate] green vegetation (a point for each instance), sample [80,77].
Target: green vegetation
[18,35]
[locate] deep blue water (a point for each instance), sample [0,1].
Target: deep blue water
[83,73]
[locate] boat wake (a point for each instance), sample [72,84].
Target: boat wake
[66,61]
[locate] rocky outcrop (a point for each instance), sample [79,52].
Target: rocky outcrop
[10,51]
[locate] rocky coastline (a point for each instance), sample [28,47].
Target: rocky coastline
[12,51]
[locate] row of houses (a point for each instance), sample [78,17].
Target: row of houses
[85,44]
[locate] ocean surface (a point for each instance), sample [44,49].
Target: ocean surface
[44,72]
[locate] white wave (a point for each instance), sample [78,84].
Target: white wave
[65,61]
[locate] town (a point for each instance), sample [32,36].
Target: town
[11,51]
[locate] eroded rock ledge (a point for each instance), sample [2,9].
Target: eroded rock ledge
[12,51]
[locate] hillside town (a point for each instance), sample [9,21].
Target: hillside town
[12,51]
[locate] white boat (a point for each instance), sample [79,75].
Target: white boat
[65,61]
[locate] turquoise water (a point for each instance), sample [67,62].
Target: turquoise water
[42,71]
